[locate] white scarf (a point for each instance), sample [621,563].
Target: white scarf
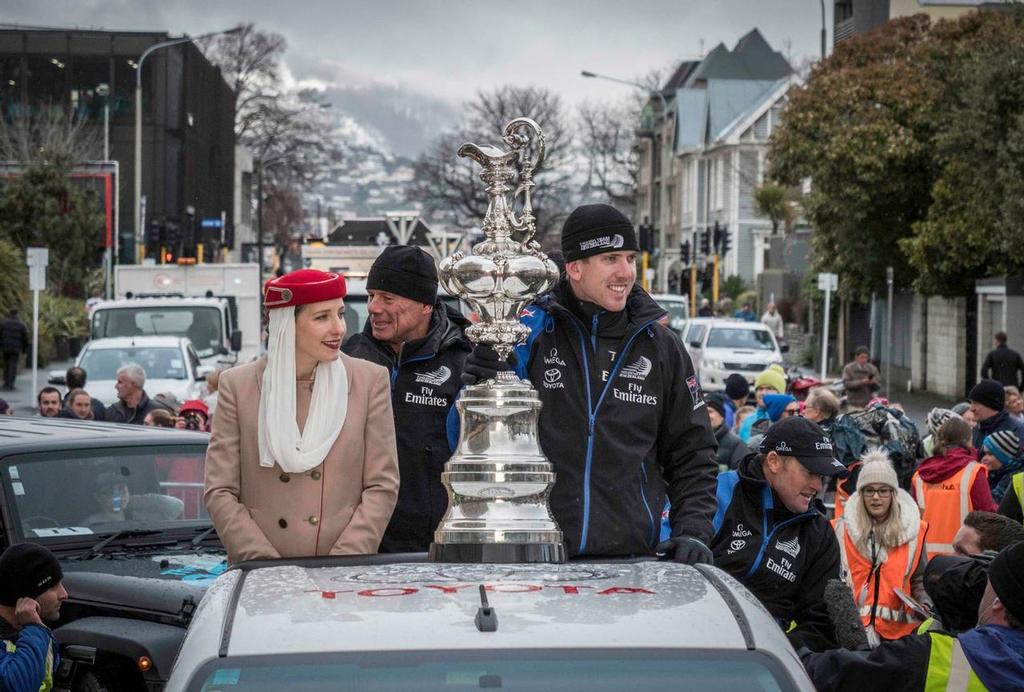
[279,437]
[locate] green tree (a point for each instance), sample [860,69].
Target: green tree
[976,219]
[773,201]
[861,130]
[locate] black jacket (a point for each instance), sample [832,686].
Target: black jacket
[1005,365]
[785,559]
[13,336]
[731,449]
[118,412]
[622,421]
[425,381]
[1001,421]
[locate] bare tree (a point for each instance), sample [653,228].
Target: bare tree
[450,186]
[607,144]
[49,136]
[282,214]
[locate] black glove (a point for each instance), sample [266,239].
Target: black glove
[483,364]
[685,549]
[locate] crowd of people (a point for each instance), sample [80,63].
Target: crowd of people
[329,446]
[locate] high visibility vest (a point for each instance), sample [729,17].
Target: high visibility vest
[945,504]
[841,495]
[1018,487]
[948,667]
[892,618]
[48,677]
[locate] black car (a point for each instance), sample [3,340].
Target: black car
[122,508]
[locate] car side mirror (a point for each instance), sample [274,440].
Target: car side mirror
[236,340]
[694,344]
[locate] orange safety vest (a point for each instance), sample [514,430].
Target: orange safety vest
[892,618]
[945,504]
[841,495]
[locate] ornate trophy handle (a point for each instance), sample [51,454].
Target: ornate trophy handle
[525,223]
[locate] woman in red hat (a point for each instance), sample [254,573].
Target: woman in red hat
[302,458]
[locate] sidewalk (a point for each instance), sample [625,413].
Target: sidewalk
[23,401]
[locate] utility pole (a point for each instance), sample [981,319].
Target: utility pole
[889,280]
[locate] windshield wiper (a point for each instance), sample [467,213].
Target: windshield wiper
[126,533]
[202,537]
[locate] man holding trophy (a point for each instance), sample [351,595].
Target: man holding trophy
[622,417]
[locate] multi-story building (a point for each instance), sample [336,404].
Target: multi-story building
[188,140]
[701,162]
[852,17]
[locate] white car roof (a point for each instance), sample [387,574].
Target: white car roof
[726,323]
[161,301]
[136,341]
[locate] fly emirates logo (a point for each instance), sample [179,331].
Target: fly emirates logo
[634,393]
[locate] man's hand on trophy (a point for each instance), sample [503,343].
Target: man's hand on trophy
[685,549]
[484,364]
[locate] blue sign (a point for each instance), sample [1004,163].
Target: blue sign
[211,223]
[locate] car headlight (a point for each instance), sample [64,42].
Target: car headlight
[712,364]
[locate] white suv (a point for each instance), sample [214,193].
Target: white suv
[720,347]
[394,622]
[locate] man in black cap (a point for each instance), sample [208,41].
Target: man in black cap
[422,342]
[31,593]
[988,404]
[622,418]
[738,390]
[989,656]
[771,532]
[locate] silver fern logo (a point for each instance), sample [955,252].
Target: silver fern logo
[435,377]
[791,547]
[638,370]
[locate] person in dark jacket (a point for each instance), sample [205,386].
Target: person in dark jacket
[13,344]
[1003,364]
[988,405]
[623,419]
[132,401]
[422,343]
[31,594]
[771,533]
[75,378]
[730,447]
[989,656]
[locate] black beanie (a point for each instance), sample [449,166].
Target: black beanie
[595,228]
[406,271]
[737,387]
[989,393]
[1006,573]
[27,570]
[716,401]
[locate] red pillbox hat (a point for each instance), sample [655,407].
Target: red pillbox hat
[302,287]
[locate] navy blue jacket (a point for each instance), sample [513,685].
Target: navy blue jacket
[425,381]
[785,559]
[623,422]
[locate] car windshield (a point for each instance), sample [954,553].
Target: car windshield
[72,493]
[676,312]
[694,333]
[737,338]
[202,325]
[164,363]
[566,671]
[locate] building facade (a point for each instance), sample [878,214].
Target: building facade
[188,141]
[852,17]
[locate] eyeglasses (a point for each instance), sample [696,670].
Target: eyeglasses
[791,412]
[879,492]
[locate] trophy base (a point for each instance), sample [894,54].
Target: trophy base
[497,553]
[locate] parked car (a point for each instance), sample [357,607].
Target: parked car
[720,347]
[388,622]
[171,365]
[677,307]
[121,507]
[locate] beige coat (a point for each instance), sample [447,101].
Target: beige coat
[339,507]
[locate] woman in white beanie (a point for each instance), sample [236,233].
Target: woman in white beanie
[881,544]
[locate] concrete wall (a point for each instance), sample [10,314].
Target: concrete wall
[947,346]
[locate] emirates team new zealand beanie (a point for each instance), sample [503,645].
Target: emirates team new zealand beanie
[406,271]
[592,229]
[27,570]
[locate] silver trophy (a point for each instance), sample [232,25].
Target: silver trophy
[498,480]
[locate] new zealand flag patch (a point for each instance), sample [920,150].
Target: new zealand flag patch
[695,393]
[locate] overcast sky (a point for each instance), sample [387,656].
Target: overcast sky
[451,48]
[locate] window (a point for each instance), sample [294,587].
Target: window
[87,74]
[166,363]
[12,81]
[202,325]
[46,81]
[757,339]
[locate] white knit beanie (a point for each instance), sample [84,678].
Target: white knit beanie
[877,469]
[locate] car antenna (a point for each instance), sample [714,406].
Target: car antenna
[486,619]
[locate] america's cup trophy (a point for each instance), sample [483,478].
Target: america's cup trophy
[498,480]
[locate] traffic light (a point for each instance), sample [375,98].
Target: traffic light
[684,253]
[717,237]
[705,242]
[646,238]
[726,241]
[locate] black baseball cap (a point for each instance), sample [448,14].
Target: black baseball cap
[801,438]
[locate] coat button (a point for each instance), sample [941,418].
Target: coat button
[314,520]
[285,477]
[282,523]
[315,475]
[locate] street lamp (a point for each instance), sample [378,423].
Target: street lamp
[823,34]
[138,122]
[638,85]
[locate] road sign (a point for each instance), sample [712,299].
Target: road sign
[212,223]
[827,281]
[36,258]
